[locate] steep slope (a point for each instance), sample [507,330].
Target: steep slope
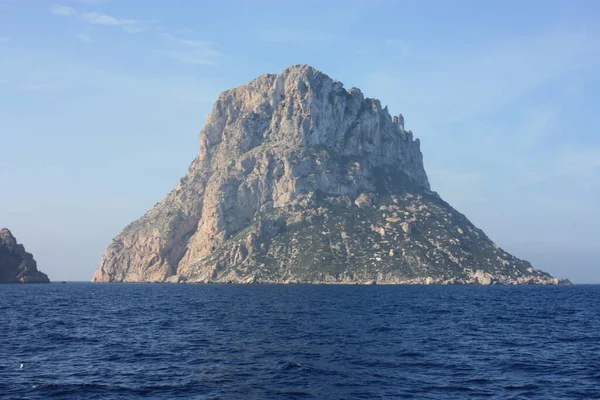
[301,180]
[16,265]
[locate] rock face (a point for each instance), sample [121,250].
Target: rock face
[17,265]
[301,180]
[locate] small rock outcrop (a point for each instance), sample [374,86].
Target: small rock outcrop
[17,265]
[299,180]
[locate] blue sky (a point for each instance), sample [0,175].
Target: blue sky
[101,103]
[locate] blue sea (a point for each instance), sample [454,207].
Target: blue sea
[133,341]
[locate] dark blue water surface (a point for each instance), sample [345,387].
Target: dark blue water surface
[130,341]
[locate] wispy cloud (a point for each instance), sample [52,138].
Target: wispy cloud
[84,38]
[3,81]
[399,45]
[134,28]
[63,11]
[199,58]
[187,51]
[5,7]
[94,2]
[538,123]
[104,19]
[184,31]
[294,36]
[580,163]
[199,52]
[36,87]
[4,39]
[95,18]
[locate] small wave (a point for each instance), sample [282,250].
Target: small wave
[521,367]
[410,354]
[58,337]
[288,366]
[294,366]
[479,380]
[296,393]
[447,388]
[579,339]
[522,387]
[79,389]
[381,329]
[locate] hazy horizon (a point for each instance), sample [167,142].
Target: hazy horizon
[103,101]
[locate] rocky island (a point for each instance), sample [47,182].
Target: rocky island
[299,180]
[17,265]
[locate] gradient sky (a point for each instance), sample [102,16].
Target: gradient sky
[101,103]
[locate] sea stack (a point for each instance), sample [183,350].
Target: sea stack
[17,265]
[299,180]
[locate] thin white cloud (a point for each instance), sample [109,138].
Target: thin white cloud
[94,2]
[105,19]
[294,36]
[134,28]
[184,31]
[188,58]
[5,7]
[580,163]
[536,126]
[532,124]
[197,43]
[63,11]
[84,38]
[199,52]
[4,39]
[94,18]
[399,45]
[3,81]
[36,87]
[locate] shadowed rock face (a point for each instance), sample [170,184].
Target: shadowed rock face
[16,265]
[301,180]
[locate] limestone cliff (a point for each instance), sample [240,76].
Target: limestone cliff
[17,265]
[301,180]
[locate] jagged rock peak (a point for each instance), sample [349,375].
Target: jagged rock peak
[7,238]
[16,265]
[302,106]
[300,180]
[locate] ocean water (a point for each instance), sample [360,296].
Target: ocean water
[132,341]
